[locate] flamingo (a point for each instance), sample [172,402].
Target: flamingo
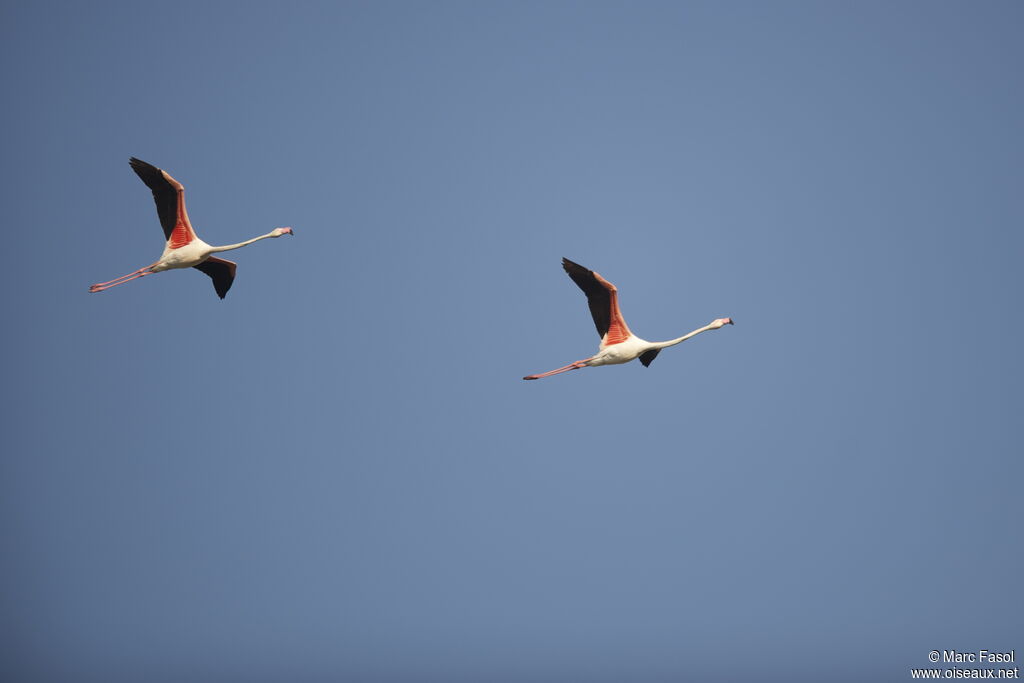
[618,344]
[184,249]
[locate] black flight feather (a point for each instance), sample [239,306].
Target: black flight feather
[220,271]
[598,298]
[647,357]
[164,194]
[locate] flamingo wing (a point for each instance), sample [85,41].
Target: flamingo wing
[647,357]
[603,299]
[221,271]
[169,196]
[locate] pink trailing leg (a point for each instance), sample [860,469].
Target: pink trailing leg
[571,366]
[141,272]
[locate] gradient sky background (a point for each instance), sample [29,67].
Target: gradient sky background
[337,473]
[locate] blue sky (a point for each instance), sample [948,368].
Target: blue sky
[337,473]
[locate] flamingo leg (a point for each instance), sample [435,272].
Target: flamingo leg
[566,368]
[118,279]
[141,272]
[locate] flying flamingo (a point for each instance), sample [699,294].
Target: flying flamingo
[184,249]
[618,344]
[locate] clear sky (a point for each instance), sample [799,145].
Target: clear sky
[336,473]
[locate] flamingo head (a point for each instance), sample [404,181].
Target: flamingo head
[277,232]
[720,323]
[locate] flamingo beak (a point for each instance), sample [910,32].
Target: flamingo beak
[730,321]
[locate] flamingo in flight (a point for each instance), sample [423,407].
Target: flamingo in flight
[618,344]
[184,249]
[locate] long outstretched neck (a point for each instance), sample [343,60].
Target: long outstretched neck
[229,247]
[679,340]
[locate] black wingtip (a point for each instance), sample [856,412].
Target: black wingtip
[571,267]
[648,356]
[137,164]
[145,170]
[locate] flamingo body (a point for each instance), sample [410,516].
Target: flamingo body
[183,249]
[618,344]
[615,353]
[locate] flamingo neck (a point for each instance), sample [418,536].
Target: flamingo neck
[229,247]
[679,340]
